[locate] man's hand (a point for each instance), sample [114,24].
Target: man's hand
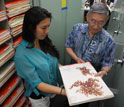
[79,60]
[101,73]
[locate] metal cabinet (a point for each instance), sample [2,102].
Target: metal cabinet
[115,78]
[116,27]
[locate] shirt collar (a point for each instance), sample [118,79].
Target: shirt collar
[100,35]
[25,43]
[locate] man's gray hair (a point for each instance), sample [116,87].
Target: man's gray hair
[100,8]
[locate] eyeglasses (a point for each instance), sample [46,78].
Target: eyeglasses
[94,22]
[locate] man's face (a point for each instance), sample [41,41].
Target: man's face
[96,22]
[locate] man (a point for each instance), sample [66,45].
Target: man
[90,42]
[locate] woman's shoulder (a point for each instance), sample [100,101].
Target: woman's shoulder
[22,49]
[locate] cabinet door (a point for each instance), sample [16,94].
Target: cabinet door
[114,23]
[115,80]
[120,34]
[116,26]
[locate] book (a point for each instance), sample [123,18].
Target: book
[82,85]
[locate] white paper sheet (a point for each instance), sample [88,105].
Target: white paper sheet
[70,74]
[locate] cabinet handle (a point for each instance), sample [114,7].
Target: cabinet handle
[115,18]
[116,32]
[119,61]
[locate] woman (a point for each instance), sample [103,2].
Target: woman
[36,59]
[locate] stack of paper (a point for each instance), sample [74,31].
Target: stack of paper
[2,15]
[6,52]
[7,89]
[17,30]
[4,35]
[20,101]
[17,7]
[16,24]
[16,21]
[82,85]
[6,72]
[17,40]
[11,100]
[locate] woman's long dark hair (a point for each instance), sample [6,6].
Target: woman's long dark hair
[31,19]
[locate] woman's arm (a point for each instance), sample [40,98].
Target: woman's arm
[50,89]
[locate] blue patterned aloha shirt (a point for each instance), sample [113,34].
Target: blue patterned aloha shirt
[98,50]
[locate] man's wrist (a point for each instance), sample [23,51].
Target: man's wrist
[104,71]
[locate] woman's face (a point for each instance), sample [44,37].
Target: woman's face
[42,29]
